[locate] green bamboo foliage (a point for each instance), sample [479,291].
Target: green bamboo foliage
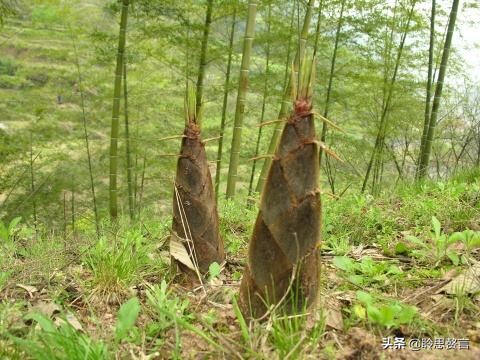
[226,90]
[424,157]
[203,54]
[380,139]
[131,195]
[113,191]
[85,133]
[330,77]
[283,255]
[7,8]
[241,99]
[286,98]
[195,241]
[264,100]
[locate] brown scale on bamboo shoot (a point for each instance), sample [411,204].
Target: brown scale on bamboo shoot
[195,217]
[283,257]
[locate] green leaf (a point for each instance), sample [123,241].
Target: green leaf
[406,315]
[241,321]
[454,258]
[401,249]
[359,311]
[214,270]
[357,279]
[415,240]
[456,236]
[344,263]
[436,226]
[127,315]
[387,315]
[45,323]
[394,270]
[13,224]
[4,234]
[374,314]
[364,298]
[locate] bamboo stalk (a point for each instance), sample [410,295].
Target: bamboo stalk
[428,97]
[142,184]
[225,103]
[424,157]
[85,133]
[264,100]
[241,99]
[131,199]
[330,78]
[203,55]
[317,31]
[113,191]
[386,107]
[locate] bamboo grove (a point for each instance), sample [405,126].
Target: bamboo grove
[285,100]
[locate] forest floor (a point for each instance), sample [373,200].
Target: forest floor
[403,266]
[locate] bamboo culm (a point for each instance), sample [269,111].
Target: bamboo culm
[131,195]
[113,191]
[203,55]
[428,97]
[424,158]
[241,99]
[85,133]
[225,104]
[264,100]
[379,141]
[330,78]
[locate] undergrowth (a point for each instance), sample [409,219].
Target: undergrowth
[379,256]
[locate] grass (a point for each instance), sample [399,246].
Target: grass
[370,285]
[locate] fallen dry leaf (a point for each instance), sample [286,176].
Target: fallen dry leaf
[29,289]
[46,308]
[71,320]
[467,282]
[334,319]
[178,251]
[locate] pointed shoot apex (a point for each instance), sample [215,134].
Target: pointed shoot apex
[190,104]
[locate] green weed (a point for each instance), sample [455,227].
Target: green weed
[367,271]
[118,265]
[388,314]
[63,342]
